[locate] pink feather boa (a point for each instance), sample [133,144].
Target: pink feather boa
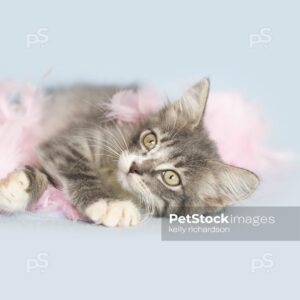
[234,123]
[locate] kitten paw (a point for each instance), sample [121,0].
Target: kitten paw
[114,213]
[14,194]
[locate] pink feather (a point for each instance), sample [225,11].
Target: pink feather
[132,107]
[18,118]
[237,126]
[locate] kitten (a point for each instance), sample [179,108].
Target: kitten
[112,174]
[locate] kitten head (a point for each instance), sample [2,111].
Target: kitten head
[173,165]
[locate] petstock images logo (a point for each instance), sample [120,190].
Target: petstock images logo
[235,224]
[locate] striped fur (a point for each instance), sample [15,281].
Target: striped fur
[90,156]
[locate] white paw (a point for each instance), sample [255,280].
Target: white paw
[113,213]
[13,192]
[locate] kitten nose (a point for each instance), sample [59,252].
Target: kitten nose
[135,169]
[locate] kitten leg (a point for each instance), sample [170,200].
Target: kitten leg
[71,164]
[113,213]
[20,188]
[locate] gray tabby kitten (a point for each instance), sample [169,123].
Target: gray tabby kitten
[113,174]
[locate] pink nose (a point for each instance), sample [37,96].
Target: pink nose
[135,169]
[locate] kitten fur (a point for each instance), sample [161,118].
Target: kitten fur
[109,174]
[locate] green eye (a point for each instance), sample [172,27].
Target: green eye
[150,141]
[171,178]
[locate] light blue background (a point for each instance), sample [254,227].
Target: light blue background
[166,44]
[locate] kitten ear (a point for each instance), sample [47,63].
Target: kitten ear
[223,185]
[190,107]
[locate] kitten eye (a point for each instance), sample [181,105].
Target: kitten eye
[171,178]
[150,141]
